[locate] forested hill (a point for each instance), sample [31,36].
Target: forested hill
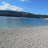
[20,14]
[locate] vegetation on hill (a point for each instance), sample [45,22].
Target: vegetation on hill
[20,14]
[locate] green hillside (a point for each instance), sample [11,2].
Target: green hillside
[20,14]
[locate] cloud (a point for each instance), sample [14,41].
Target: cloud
[24,0]
[7,6]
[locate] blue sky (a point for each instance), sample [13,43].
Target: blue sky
[32,6]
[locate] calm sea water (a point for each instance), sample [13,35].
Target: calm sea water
[19,22]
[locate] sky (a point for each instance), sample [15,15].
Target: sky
[31,6]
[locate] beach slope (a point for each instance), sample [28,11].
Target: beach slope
[33,37]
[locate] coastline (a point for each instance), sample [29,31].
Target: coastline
[32,37]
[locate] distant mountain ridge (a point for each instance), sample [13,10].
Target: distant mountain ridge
[20,14]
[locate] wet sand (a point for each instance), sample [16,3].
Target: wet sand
[33,37]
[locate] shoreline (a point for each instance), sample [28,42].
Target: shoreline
[24,27]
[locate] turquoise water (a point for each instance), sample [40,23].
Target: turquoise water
[19,22]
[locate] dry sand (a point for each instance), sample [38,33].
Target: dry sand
[34,37]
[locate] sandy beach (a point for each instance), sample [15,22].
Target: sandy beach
[32,37]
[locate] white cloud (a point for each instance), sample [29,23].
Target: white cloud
[4,2]
[7,6]
[24,0]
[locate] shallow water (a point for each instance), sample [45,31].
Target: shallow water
[19,22]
